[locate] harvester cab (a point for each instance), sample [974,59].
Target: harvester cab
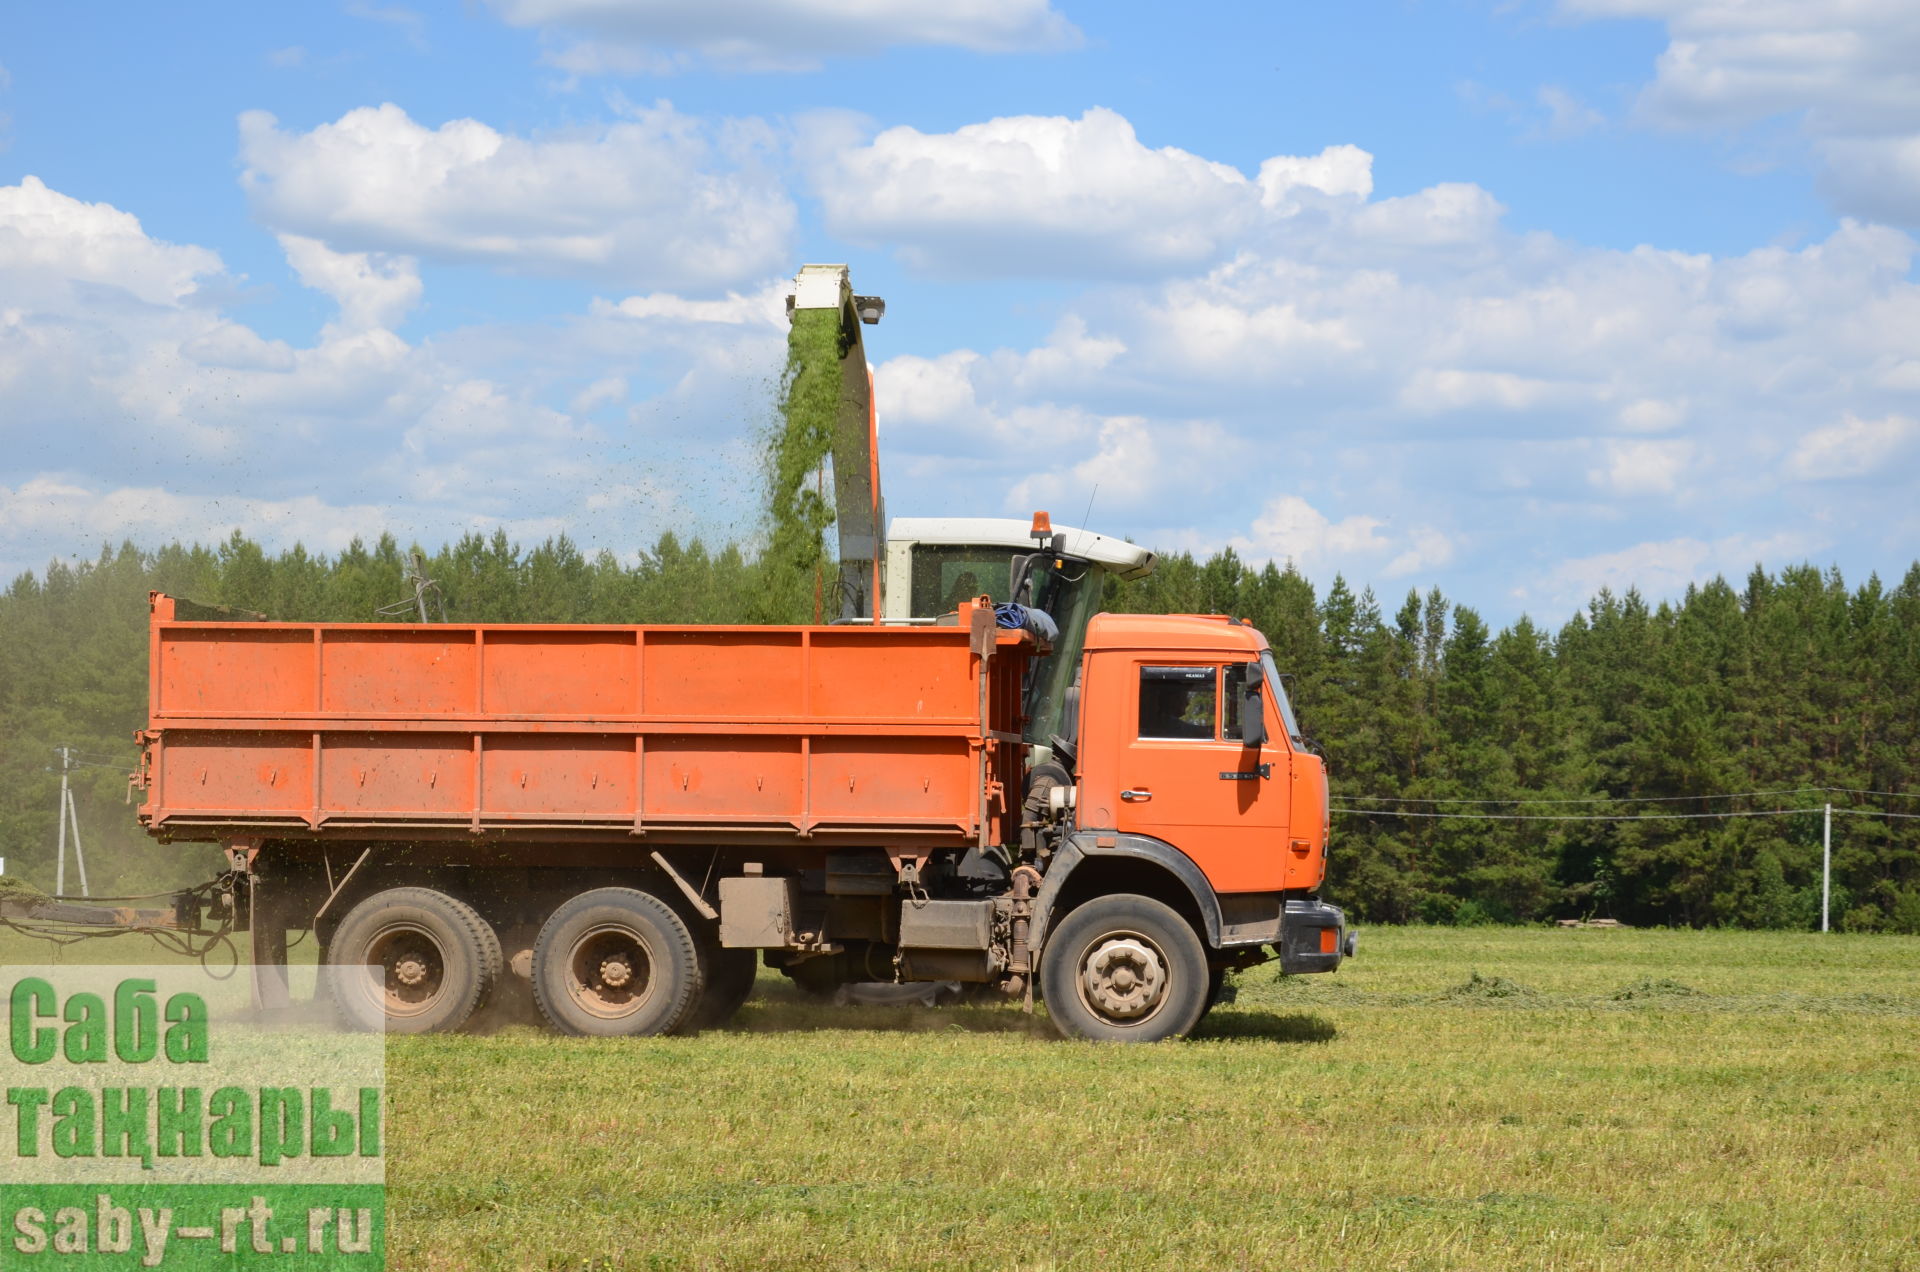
[932,563]
[928,566]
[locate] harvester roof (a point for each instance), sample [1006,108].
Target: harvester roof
[1128,560]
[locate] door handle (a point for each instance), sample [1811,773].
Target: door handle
[1248,775]
[1136,797]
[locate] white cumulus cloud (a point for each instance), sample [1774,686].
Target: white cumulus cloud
[48,239]
[1567,115]
[1427,550]
[1054,196]
[1131,463]
[658,199]
[765,306]
[371,288]
[137,405]
[1015,194]
[1636,467]
[1665,567]
[1336,170]
[1848,72]
[1291,529]
[50,508]
[1852,448]
[1388,381]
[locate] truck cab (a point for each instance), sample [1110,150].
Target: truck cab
[1189,835]
[1188,737]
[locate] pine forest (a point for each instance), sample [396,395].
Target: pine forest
[1659,764]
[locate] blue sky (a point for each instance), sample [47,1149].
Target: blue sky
[1516,299]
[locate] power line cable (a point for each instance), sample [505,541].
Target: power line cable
[1619,817]
[1581,817]
[1848,790]
[1594,799]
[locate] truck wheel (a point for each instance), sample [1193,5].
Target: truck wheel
[728,976]
[616,962]
[412,960]
[1124,968]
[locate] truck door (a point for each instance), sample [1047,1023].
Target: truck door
[1185,776]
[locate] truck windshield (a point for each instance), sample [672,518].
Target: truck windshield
[1071,596]
[1280,696]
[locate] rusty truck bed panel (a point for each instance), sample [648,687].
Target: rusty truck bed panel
[371,731]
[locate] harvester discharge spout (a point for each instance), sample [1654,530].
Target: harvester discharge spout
[823,295]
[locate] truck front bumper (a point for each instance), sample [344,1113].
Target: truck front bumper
[1314,938]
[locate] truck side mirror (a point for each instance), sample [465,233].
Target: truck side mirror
[1253,714]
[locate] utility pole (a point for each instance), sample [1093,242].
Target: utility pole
[60,868]
[69,814]
[79,857]
[1826,866]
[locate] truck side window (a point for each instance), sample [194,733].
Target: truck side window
[1234,692]
[1178,702]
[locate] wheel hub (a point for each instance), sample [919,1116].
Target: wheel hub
[1124,978]
[409,970]
[610,971]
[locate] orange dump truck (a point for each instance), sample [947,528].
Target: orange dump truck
[632,817]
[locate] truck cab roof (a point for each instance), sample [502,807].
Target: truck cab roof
[1199,633]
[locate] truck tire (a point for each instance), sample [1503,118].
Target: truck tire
[616,962]
[727,977]
[1124,968]
[429,962]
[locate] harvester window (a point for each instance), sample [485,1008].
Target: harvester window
[944,577]
[1178,702]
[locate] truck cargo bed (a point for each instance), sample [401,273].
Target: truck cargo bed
[748,734]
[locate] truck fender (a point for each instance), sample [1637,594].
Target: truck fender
[1084,844]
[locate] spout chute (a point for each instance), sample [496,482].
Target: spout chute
[859,510]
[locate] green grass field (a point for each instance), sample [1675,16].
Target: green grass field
[1591,1099]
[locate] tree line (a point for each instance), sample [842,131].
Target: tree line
[1788,683]
[1629,710]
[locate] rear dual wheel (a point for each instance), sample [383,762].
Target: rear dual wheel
[614,961]
[412,960]
[727,975]
[727,982]
[617,962]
